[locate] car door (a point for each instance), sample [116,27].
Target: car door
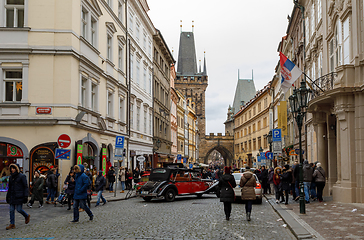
[183,183]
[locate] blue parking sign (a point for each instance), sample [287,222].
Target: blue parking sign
[119,142]
[277,135]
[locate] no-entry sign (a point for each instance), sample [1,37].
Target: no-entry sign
[64,141]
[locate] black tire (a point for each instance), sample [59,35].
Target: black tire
[199,195]
[170,195]
[147,199]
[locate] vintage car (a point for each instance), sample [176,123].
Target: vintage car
[166,183]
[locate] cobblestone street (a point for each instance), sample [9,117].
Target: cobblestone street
[186,218]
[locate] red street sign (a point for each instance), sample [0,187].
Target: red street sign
[43,110]
[266,153]
[64,141]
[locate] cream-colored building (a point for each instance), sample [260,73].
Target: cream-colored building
[62,71]
[251,130]
[334,61]
[174,102]
[181,116]
[192,131]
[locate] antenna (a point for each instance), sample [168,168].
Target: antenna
[172,51]
[181,25]
[193,25]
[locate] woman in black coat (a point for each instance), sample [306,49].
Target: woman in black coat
[286,181]
[227,194]
[17,195]
[37,192]
[70,182]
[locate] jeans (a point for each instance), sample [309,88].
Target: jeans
[82,204]
[313,190]
[123,185]
[248,206]
[19,208]
[227,209]
[69,200]
[51,194]
[99,196]
[111,186]
[306,187]
[279,194]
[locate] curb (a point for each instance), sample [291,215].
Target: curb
[293,222]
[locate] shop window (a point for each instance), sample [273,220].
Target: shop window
[14,11]
[13,85]
[88,155]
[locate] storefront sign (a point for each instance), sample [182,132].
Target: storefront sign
[14,151]
[42,159]
[104,161]
[141,158]
[79,154]
[43,110]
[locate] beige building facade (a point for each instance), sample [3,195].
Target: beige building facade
[62,71]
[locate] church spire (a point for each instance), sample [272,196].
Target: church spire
[204,64]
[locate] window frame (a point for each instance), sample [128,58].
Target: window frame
[15,8]
[14,86]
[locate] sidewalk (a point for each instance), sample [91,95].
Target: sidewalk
[326,220]
[107,195]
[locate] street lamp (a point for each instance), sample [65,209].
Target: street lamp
[299,102]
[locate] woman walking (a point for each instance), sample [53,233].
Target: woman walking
[227,195]
[247,184]
[320,178]
[286,181]
[37,192]
[122,178]
[70,182]
[277,184]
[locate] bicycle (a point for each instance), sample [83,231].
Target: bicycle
[130,192]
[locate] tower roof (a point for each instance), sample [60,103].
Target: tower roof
[245,90]
[187,64]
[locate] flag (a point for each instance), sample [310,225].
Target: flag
[289,72]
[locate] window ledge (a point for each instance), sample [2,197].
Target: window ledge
[14,29]
[14,104]
[110,62]
[90,111]
[85,41]
[111,119]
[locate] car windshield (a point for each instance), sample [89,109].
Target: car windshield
[159,174]
[237,176]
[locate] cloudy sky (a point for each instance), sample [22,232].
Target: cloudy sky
[236,34]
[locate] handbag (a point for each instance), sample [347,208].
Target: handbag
[233,190]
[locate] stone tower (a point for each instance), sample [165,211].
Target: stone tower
[189,81]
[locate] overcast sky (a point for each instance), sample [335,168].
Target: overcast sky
[236,34]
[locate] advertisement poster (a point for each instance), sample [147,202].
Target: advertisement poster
[104,161]
[79,154]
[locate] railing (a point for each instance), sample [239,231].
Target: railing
[323,84]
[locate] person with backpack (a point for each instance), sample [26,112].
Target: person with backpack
[320,179]
[80,195]
[247,184]
[52,185]
[100,183]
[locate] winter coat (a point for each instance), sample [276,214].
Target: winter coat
[226,191]
[319,175]
[51,180]
[100,183]
[248,191]
[276,177]
[38,184]
[122,175]
[307,173]
[110,175]
[18,188]
[136,174]
[71,184]
[286,179]
[264,175]
[82,182]
[270,176]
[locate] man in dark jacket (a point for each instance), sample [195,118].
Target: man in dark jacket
[307,179]
[111,176]
[52,185]
[264,177]
[80,195]
[100,183]
[17,195]
[286,181]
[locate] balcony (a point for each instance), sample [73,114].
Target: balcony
[323,84]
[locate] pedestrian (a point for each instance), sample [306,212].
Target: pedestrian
[307,179]
[80,195]
[313,184]
[320,179]
[136,175]
[270,180]
[37,191]
[264,176]
[227,194]
[247,184]
[111,176]
[17,194]
[122,179]
[296,175]
[286,181]
[89,189]
[51,185]
[100,183]
[277,184]
[129,179]
[70,182]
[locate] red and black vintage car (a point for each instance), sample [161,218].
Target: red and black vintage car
[169,182]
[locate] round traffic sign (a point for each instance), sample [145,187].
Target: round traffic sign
[64,141]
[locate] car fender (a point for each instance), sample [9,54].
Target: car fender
[213,186]
[166,187]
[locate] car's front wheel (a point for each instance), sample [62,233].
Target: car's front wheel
[170,195]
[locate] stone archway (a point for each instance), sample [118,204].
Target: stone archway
[226,154]
[223,144]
